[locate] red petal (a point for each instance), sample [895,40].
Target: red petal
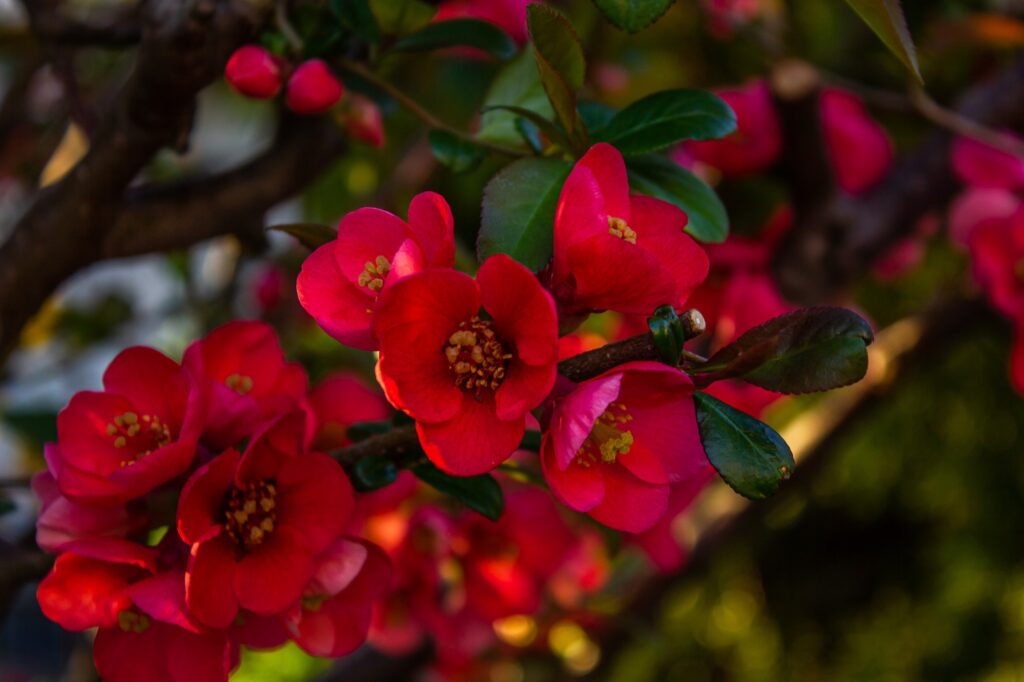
[580,488]
[474,441]
[315,499]
[278,443]
[629,504]
[154,383]
[337,305]
[612,274]
[609,170]
[209,582]
[271,577]
[201,505]
[523,312]
[430,220]
[364,235]
[81,592]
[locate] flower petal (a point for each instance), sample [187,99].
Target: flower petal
[474,441]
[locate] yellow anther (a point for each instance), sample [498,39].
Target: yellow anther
[373,274]
[120,442]
[239,383]
[617,227]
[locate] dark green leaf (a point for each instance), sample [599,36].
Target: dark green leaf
[482,493]
[455,153]
[662,178]
[747,453]
[633,15]
[482,35]
[401,17]
[669,337]
[885,17]
[371,473]
[531,134]
[595,115]
[516,85]
[39,427]
[544,125]
[356,16]
[363,430]
[310,235]
[519,211]
[561,64]
[812,349]
[667,117]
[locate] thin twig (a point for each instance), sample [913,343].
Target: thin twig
[961,125]
[422,113]
[286,28]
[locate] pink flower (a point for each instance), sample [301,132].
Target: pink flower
[979,165]
[859,147]
[258,522]
[341,281]
[468,379]
[613,251]
[337,604]
[313,88]
[616,443]
[363,120]
[62,520]
[245,379]
[997,260]
[338,402]
[757,142]
[136,435]
[508,15]
[975,206]
[662,542]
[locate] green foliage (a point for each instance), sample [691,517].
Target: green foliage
[519,211]
[372,473]
[516,87]
[669,337]
[808,350]
[747,453]
[481,493]
[667,117]
[885,17]
[633,15]
[482,35]
[310,235]
[659,177]
[401,17]
[356,16]
[455,153]
[561,64]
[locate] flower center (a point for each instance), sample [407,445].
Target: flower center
[251,512]
[138,437]
[617,227]
[476,356]
[373,274]
[608,438]
[133,621]
[239,383]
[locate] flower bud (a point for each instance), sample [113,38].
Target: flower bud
[254,72]
[313,89]
[362,120]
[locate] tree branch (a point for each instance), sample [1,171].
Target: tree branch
[49,23]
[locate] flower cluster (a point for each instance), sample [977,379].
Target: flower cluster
[180,545]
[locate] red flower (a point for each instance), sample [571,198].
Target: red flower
[338,402]
[979,165]
[139,433]
[245,380]
[997,260]
[363,120]
[257,523]
[341,281]
[757,142]
[859,147]
[337,605]
[468,380]
[254,72]
[613,251]
[616,443]
[508,15]
[313,88]
[62,520]
[662,542]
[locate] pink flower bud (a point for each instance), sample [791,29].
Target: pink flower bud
[313,89]
[254,72]
[363,121]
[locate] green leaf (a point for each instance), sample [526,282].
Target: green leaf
[372,473]
[664,179]
[516,85]
[519,211]
[667,117]
[812,349]
[356,16]
[633,15]
[38,427]
[482,35]
[481,493]
[401,17]
[885,17]
[747,453]
[310,235]
[669,337]
[596,115]
[561,64]
[455,153]
[544,125]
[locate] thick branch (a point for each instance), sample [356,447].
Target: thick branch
[49,23]
[827,250]
[184,47]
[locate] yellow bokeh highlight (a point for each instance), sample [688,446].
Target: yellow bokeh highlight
[517,630]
